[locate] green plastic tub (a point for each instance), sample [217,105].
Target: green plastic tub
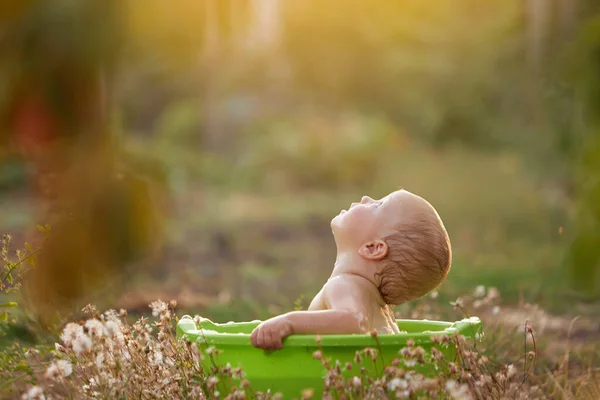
[294,368]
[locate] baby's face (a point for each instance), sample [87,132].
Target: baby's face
[371,219]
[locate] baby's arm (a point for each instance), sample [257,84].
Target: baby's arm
[347,313]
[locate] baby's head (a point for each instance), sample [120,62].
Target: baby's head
[404,240]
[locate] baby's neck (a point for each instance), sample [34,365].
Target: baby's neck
[353,264]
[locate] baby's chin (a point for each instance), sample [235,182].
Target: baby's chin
[335,222]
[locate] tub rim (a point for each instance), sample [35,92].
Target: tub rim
[216,334]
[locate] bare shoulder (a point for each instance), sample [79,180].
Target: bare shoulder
[317,302]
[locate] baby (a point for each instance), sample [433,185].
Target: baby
[389,251]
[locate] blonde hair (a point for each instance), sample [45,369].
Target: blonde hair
[418,259]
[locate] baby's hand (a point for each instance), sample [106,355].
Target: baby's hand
[270,334]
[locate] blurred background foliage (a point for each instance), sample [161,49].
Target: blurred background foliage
[197,150]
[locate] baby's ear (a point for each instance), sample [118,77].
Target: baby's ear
[374,251]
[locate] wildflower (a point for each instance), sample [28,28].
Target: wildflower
[456,391]
[212,381]
[82,343]
[89,309]
[111,315]
[99,360]
[419,352]
[71,332]
[369,351]
[493,294]
[460,340]
[430,384]
[484,380]
[458,303]
[434,295]
[356,382]
[317,355]
[31,352]
[410,363]
[238,373]
[510,371]
[59,368]
[34,393]
[500,377]
[529,329]
[59,347]
[94,327]
[466,376]
[158,307]
[157,357]
[479,291]
[112,327]
[398,383]
[436,354]
[453,367]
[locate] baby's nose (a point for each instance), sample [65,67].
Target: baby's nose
[366,199]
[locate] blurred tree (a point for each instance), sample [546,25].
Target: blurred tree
[193,41]
[583,256]
[58,61]
[441,70]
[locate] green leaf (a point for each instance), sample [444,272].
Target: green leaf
[41,228]
[9,304]
[28,247]
[4,316]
